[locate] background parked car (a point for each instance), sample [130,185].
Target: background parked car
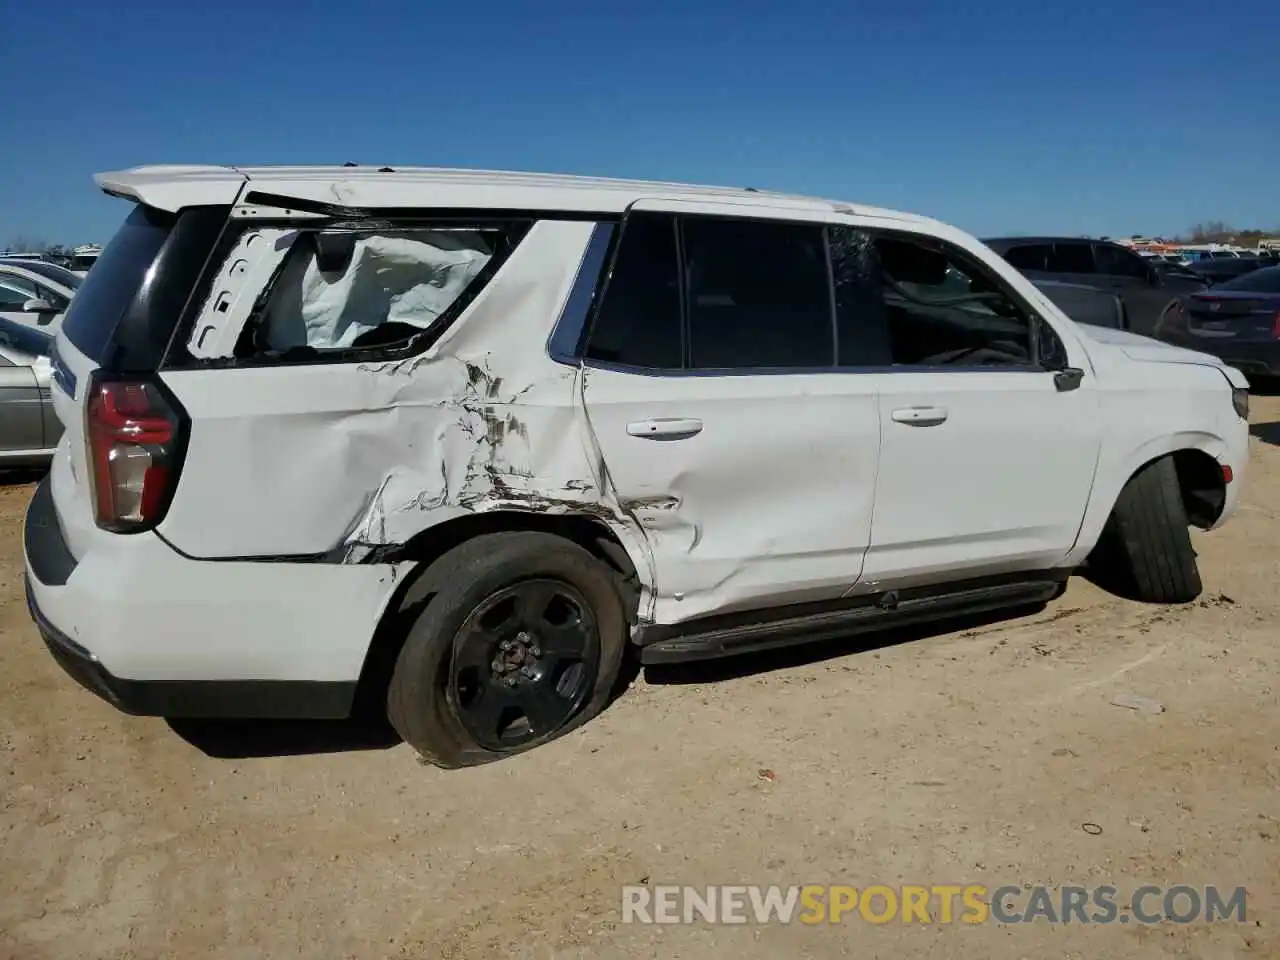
[1100,308]
[1173,272]
[1218,269]
[35,293]
[1097,263]
[1237,320]
[29,428]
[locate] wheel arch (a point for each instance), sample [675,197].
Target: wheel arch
[1196,456]
[602,540]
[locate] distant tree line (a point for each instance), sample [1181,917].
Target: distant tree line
[1216,231]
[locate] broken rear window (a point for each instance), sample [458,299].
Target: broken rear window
[288,293]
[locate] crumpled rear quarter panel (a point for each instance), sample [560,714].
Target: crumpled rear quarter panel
[346,458]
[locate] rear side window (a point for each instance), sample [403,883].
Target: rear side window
[1071,258]
[638,324]
[1031,256]
[1117,262]
[758,294]
[387,287]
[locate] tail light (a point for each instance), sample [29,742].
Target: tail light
[1275,326]
[134,431]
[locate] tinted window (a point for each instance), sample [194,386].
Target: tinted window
[111,286]
[903,300]
[862,317]
[638,324]
[1071,258]
[1084,304]
[1266,280]
[1032,256]
[1117,262]
[15,291]
[757,294]
[24,339]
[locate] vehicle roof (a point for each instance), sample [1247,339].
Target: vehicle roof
[173,187]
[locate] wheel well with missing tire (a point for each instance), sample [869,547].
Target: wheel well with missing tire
[434,542]
[1204,492]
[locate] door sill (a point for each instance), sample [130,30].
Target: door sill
[722,636]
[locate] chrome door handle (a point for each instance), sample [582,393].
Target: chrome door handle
[665,428]
[920,416]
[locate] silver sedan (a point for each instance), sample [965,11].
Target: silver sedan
[33,297]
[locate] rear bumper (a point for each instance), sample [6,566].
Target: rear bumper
[157,634]
[192,698]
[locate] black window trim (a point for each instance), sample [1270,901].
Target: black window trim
[600,292]
[178,357]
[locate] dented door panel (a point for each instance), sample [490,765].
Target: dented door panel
[342,459]
[767,501]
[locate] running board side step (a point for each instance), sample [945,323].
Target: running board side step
[872,613]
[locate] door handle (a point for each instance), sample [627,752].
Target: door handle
[665,428]
[920,416]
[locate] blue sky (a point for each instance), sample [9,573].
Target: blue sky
[1001,116]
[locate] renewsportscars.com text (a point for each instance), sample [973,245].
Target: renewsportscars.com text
[943,904]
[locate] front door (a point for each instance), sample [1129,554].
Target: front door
[745,456]
[985,464]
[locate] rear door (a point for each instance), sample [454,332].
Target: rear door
[726,428]
[1134,280]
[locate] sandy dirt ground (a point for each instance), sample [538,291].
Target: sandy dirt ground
[987,754]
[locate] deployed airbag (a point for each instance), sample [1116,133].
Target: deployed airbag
[408,278]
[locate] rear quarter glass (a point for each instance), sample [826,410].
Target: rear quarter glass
[128,306]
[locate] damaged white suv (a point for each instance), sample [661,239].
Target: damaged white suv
[490,429]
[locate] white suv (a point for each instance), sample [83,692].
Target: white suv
[491,428]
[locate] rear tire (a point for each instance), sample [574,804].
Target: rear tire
[1145,549]
[520,644]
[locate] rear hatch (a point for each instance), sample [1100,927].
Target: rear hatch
[1234,314]
[120,322]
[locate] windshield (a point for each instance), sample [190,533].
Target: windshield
[50,271]
[83,263]
[1266,280]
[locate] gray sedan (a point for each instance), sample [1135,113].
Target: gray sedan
[29,429]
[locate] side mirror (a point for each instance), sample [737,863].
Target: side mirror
[39,306]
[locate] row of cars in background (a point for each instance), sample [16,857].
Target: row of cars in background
[1226,306]
[34,295]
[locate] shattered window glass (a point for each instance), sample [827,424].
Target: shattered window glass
[902,301]
[385,288]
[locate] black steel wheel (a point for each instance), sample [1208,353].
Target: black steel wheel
[523,663]
[520,643]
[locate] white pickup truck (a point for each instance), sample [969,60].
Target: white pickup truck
[460,439]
